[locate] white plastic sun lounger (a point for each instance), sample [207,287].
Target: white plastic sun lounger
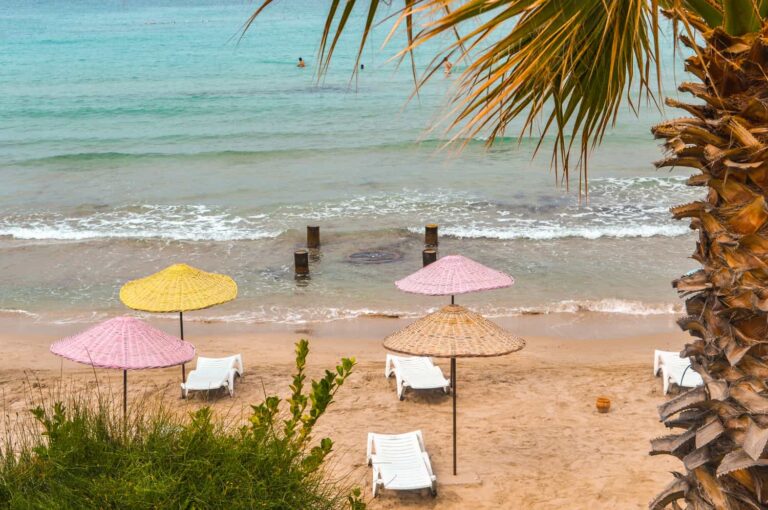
[417,373]
[681,373]
[400,462]
[214,373]
[675,370]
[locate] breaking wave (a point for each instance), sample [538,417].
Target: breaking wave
[547,232]
[189,223]
[618,208]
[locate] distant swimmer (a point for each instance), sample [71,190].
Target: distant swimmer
[362,66]
[301,63]
[447,66]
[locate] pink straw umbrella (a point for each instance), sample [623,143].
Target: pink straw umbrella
[125,343]
[448,276]
[454,274]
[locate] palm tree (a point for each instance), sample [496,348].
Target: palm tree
[570,64]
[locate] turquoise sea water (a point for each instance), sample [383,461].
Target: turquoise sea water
[138,134]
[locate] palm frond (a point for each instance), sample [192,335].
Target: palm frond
[568,63]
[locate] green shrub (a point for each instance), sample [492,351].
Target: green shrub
[87,457]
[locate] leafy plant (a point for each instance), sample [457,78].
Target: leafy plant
[304,410]
[81,456]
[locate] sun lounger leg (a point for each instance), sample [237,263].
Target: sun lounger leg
[433,489]
[375,485]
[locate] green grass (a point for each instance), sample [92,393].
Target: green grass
[82,455]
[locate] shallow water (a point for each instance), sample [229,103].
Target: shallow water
[138,134]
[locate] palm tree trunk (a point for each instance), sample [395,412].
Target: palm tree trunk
[722,427]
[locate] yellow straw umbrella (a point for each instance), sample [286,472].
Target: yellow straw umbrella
[453,332]
[178,288]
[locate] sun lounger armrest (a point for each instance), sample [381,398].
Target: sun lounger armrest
[420,437]
[399,379]
[239,367]
[427,463]
[389,366]
[656,361]
[369,449]
[231,381]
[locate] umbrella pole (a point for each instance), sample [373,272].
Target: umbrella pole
[183,365]
[453,391]
[125,396]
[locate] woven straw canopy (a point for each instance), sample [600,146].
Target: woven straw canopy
[178,288]
[126,343]
[454,274]
[453,332]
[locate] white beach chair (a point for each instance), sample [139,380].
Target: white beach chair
[675,370]
[417,373]
[400,462]
[214,373]
[659,357]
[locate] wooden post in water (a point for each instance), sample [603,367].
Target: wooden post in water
[428,256]
[301,262]
[313,237]
[430,235]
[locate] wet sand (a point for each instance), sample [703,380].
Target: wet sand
[528,428]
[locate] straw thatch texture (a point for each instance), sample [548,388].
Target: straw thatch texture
[452,332]
[126,343]
[454,274]
[178,288]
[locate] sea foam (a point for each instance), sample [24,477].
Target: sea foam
[618,208]
[172,222]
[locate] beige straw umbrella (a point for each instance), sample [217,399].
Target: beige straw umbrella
[453,332]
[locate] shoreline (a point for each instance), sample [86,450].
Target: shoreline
[27,330]
[607,307]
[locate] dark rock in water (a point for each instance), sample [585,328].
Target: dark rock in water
[375,256]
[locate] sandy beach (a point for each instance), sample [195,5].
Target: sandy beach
[528,428]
